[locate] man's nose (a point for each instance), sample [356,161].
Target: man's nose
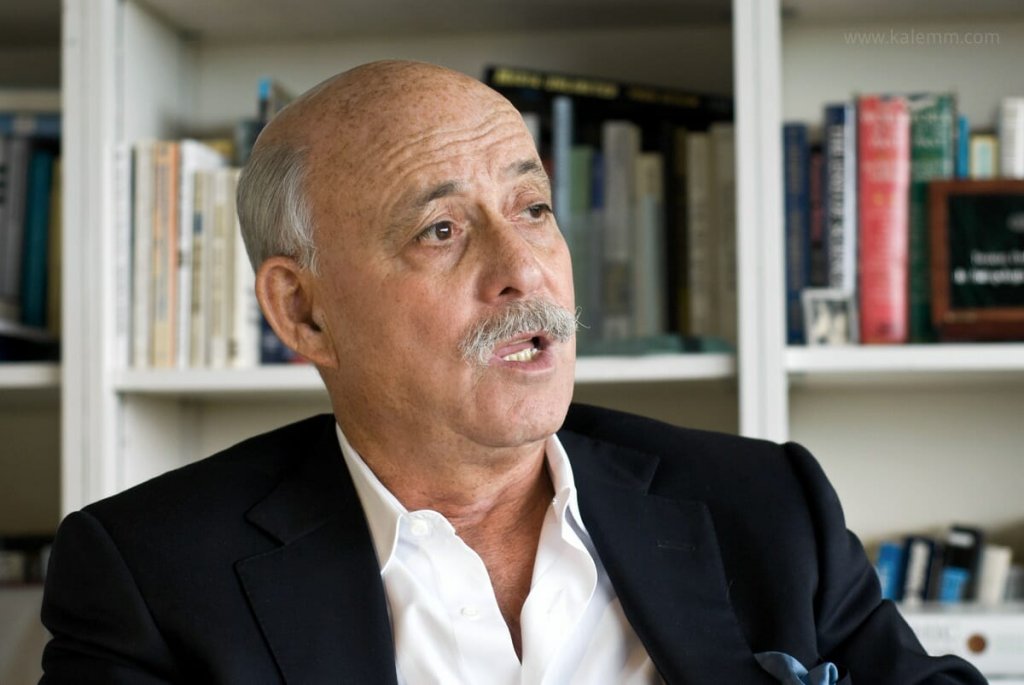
[513,267]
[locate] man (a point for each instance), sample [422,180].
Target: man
[439,528]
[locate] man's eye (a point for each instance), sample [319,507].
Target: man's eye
[538,210]
[439,232]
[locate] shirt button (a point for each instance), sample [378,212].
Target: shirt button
[420,528]
[470,611]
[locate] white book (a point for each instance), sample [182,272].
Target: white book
[245,310]
[123,175]
[194,156]
[649,246]
[220,282]
[701,251]
[723,213]
[142,253]
[620,143]
[532,122]
[993,572]
[203,183]
[1011,137]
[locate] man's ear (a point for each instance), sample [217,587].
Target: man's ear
[287,297]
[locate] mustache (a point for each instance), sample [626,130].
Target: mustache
[519,317]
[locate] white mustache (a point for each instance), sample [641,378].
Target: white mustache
[517,318]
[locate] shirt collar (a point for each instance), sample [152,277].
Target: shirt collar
[384,512]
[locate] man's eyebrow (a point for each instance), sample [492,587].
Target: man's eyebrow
[529,167]
[414,203]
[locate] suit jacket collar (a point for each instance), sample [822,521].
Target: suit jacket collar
[662,557]
[318,598]
[320,601]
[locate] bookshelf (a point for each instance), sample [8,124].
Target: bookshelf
[184,67]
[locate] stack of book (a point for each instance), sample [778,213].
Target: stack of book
[960,567]
[643,184]
[856,204]
[186,287]
[30,231]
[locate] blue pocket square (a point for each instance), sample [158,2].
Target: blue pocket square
[789,671]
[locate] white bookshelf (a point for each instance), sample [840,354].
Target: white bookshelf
[16,376]
[877,418]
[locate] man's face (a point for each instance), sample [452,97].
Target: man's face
[441,218]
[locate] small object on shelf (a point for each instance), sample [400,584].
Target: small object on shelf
[830,316]
[977,232]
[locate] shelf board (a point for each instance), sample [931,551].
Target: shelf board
[302,380]
[29,376]
[906,363]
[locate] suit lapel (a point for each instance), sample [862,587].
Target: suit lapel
[318,597]
[662,557]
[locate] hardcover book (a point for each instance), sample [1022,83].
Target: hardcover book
[883,173]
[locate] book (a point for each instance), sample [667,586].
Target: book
[12,225]
[649,246]
[143,189]
[921,557]
[35,253]
[816,217]
[723,216]
[620,141]
[702,265]
[961,559]
[796,181]
[840,152]
[889,567]
[993,574]
[55,247]
[164,254]
[194,156]
[932,157]
[984,155]
[1011,137]
[883,179]
[963,146]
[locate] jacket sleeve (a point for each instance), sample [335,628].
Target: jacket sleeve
[857,630]
[102,630]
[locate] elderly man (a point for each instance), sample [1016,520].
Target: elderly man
[454,520]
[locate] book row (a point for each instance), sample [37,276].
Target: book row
[643,186]
[959,567]
[30,235]
[858,230]
[23,559]
[186,296]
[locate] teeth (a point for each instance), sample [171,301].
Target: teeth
[523,355]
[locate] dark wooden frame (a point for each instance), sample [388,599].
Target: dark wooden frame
[989,323]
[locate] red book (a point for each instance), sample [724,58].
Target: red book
[883,177]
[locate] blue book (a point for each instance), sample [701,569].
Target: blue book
[44,125]
[840,150]
[963,146]
[37,229]
[796,155]
[889,567]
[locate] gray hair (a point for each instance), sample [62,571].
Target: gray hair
[273,210]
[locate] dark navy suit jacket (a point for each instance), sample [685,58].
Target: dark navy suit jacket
[256,566]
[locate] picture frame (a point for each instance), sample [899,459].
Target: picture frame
[976,231]
[830,317]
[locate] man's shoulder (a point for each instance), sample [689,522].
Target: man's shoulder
[236,477]
[651,436]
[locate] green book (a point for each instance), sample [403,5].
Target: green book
[932,156]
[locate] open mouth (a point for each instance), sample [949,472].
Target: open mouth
[522,350]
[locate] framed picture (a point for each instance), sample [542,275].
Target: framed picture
[977,258]
[830,317]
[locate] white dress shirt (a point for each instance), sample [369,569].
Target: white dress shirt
[445,618]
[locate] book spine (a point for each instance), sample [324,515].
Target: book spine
[889,567]
[56,248]
[676,196]
[932,157]
[919,554]
[963,150]
[816,217]
[648,274]
[245,311]
[620,141]
[723,213]
[582,243]
[561,156]
[18,155]
[984,156]
[796,155]
[702,258]
[143,214]
[35,251]
[1011,137]
[840,149]
[883,181]
[221,263]
[202,220]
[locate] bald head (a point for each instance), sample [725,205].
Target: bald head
[333,132]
